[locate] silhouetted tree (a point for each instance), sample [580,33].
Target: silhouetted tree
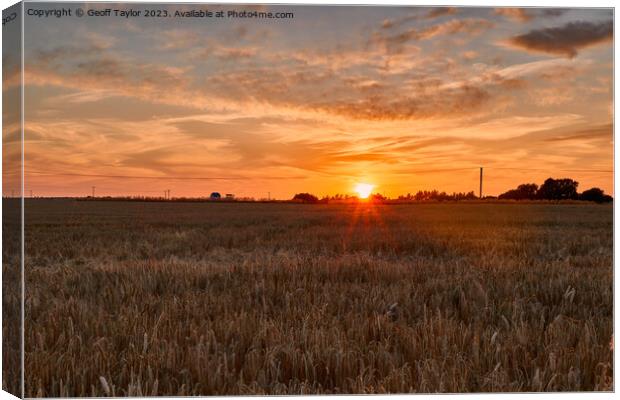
[465,196]
[558,189]
[306,198]
[377,197]
[595,194]
[527,191]
[434,195]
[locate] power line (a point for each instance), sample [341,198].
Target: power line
[161,177]
[547,169]
[423,171]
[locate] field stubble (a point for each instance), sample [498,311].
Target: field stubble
[204,299]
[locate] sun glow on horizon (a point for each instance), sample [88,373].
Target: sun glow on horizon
[363,189]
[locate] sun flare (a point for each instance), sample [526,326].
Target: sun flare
[364,189]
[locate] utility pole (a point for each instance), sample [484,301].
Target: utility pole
[269,196]
[93,191]
[480,183]
[168,194]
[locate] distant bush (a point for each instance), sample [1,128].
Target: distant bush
[558,189]
[435,195]
[306,198]
[595,194]
[377,198]
[527,191]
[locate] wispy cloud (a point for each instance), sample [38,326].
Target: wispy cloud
[433,13]
[517,14]
[525,15]
[468,26]
[604,132]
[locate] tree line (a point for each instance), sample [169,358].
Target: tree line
[551,189]
[556,189]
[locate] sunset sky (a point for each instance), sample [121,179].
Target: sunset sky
[403,98]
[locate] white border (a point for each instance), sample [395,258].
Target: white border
[483,3]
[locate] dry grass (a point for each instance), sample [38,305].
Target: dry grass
[203,299]
[11,296]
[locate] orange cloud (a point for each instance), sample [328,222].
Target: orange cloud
[468,26]
[517,14]
[433,13]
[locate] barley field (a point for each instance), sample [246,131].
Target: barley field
[130,298]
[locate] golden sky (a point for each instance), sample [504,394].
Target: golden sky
[404,98]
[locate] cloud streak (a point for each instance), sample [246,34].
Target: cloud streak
[517,14]
[468,26]
[433,13]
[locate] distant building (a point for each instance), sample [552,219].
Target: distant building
[215,196]
[230,196]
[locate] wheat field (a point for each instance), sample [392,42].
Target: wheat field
[130,298]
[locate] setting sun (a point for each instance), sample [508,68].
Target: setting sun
[364,189]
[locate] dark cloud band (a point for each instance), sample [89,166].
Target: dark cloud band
[565,40]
